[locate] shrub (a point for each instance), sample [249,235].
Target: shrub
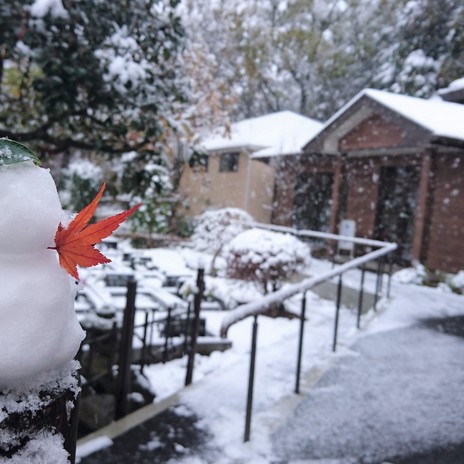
[266,257]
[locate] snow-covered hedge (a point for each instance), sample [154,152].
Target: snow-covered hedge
[215,228]
[265,256]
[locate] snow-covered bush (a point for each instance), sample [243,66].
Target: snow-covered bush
[418,274]
[266,257]
[456,282]
[82,180]
[215,228]
[411,275]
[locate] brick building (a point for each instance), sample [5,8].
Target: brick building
[234,176]
[395,165]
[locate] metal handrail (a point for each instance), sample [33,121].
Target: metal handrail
[260,307]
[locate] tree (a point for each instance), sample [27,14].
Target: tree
[428,52]
[97,76]
[312,56]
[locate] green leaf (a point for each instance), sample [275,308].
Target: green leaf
[12,152]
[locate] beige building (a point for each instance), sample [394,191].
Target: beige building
[234,175]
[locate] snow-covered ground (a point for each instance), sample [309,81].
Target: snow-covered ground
[218,394]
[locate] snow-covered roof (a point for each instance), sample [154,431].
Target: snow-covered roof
[273,134]
[441,118]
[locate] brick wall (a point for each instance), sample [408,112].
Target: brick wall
[286,170]
[445,244]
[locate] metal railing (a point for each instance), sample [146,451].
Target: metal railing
[260,307]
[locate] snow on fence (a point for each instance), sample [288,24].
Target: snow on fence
[260,307]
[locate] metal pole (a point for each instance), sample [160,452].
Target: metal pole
[125,353]
[300,343]
[390,271]
[187,326]
[377,286]
[167,332]
[361,295]
[337,312]
[196,324]
[251,380]
[382,266]
[143,354]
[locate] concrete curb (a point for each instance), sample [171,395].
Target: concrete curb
[117,428]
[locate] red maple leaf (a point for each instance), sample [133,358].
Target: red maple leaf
[75,244]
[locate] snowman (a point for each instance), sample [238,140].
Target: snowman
[39,330]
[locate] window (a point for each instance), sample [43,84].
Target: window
[228,162]
[199,162]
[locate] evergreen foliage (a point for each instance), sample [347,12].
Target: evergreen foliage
[91,75]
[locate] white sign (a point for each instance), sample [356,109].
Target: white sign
[348,229]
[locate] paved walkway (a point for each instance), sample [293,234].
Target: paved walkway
[396,397]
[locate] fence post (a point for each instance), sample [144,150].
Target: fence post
[300,343]
[390,270]
[187,325]
[125,352]
[167,334]
[360,299]
[377,284]
[195,324]
[337,312]
[251,380]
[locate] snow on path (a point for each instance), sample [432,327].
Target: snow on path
[399,392]
[219,398]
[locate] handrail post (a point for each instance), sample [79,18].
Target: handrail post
[377,284]
[251,379]
[337,312]
[390,270]
[187,325]
[167,329]
[125,354]
[195,324]
[382,269]
[300,343]
[361,295]
[143,354]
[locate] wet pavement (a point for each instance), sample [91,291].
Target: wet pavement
[423,367]
[174,433]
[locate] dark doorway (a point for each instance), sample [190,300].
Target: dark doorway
[312,201]
[396,208]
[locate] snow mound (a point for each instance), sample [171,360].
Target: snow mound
[457,281]
[411,275]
